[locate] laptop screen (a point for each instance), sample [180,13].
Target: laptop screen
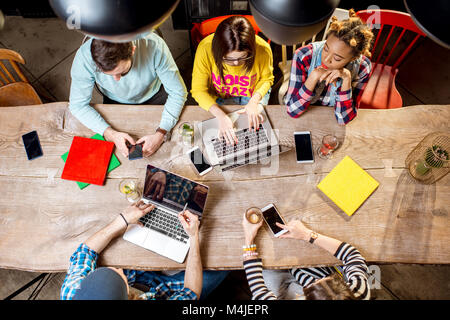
[174,191]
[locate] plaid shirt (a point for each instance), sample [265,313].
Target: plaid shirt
[84,261]
[298,96]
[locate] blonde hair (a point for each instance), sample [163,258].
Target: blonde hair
[353,32]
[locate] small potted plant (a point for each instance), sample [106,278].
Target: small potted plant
[434,157]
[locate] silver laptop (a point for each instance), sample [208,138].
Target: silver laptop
[162,232]
[251,147]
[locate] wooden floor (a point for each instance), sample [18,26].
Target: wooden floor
[49,48]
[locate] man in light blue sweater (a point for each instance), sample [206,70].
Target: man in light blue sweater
[127,73]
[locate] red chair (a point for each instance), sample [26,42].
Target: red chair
[202,29]
[380,92]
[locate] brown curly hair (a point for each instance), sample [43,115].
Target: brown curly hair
[353,32]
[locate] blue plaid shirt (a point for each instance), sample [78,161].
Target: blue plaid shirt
[84,261]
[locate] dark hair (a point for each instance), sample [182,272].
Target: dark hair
[107,55]
[329,288]
[353,32]
[235,33]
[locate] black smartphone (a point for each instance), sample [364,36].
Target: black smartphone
[32,145]
[272,216]
[303,147]
[198,160]
[134,151]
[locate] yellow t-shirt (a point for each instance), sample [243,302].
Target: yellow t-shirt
[207,85]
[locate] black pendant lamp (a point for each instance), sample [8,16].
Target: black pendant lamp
[290,22]
[113,20]
[433,18]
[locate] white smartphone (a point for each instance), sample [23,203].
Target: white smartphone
[303,147]
[199,162]
[271,216]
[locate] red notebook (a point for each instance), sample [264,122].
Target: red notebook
[88,160]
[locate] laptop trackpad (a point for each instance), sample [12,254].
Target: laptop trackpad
[156,241]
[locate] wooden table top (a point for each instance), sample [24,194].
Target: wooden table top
[43,218]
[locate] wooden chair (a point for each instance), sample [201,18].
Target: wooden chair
[285,65]
[15,92]
[380,92]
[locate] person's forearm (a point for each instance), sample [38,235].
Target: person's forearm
[109,133]
[327,243]
[311,83]
[216,111]
[193,278]
[256,98]
[346,84]
[102,238]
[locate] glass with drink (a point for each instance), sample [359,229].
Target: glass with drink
[253,215]
[129,188]
[329,144]
[186,131]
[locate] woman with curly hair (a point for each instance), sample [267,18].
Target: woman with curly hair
[333,72]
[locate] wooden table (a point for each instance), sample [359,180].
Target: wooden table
[44,218]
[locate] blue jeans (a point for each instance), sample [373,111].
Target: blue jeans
[211,279]
[242,100]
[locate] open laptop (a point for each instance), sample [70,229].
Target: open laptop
[251,147]
[162,231]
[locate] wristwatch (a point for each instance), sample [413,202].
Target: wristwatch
[313,237]
[166,134]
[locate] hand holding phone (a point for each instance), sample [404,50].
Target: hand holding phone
[297,230]
[198,160]
[134,151]
[272,216]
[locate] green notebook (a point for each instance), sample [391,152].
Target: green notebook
[114,163]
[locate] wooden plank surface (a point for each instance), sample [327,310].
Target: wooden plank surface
[43,218]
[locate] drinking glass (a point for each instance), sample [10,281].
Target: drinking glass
[253,215]
[186,131]
[329,144]
[129,188]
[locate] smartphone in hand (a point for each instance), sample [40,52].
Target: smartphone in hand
[271,217]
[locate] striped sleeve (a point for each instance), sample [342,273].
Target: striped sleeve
[355,270]
[347,104]
[298,96]
[253,271]
[306,276]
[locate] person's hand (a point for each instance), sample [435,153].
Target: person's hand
[296,230]
[157,185]
[119,139]
[190,223]
[226,129]
[134,212]
[318,73]
[250,230]
[253,114]
[152,142]
[331,76]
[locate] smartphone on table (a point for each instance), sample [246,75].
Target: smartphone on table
[303,147]
[199,162]
[271,216]
[32,145]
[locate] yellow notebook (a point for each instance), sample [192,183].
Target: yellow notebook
[348,185]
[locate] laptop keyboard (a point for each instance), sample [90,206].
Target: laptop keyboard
[246,139]
[165,223]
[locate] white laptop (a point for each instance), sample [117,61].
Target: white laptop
[162,231]
[251,147]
